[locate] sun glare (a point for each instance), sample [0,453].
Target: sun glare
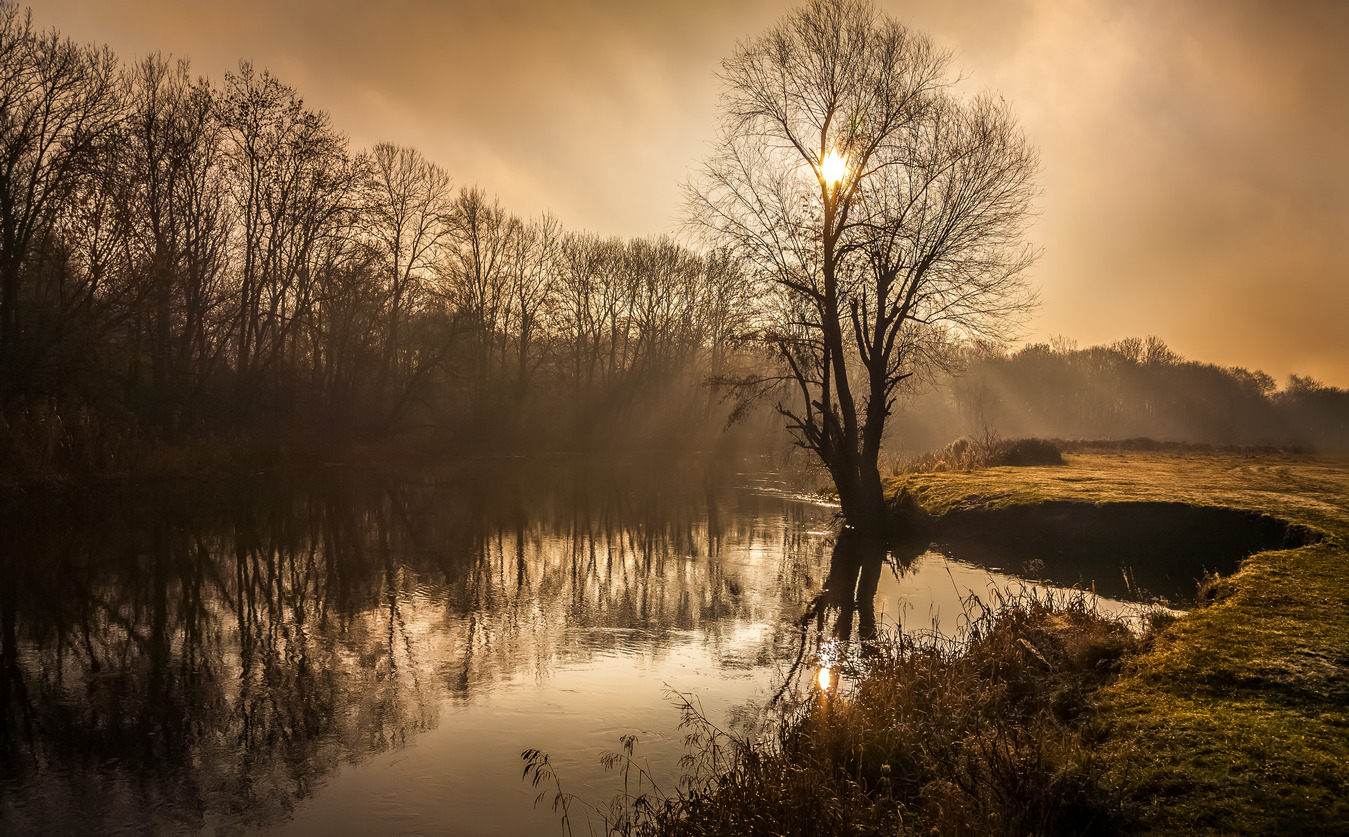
[832,168]
[825,678]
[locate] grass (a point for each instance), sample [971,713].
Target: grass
[1235,721]
[1244,704]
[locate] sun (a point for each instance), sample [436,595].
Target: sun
[832,168]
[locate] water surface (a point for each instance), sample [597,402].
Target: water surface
[359,655]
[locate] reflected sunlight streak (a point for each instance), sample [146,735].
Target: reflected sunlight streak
[825,679]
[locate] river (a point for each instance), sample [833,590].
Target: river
[352,654]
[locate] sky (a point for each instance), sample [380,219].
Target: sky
[1195,153]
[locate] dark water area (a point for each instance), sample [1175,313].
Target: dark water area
[1151,551]
[359,655]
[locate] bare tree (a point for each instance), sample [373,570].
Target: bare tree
[532,261]
[481,279]
[591,315]
[727,300]
[293,186]
[887,213]
[59,104]
[173,148]
[409,209]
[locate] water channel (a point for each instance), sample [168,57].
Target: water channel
[362,655]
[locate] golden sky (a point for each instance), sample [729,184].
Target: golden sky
[1195,152]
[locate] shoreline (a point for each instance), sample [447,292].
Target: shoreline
[1234,720]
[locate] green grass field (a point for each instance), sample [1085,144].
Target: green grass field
[1236,718]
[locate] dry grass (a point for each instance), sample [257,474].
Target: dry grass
[986,451]
[990,732]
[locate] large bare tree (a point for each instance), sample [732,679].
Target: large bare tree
[886,212]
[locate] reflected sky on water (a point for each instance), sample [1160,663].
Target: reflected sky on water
[372,655]
[357,655]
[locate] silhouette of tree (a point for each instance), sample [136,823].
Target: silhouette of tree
[531,259]
[408,210]
[481,286]
[175,200]
[59,104]
[887,213]
[293,188]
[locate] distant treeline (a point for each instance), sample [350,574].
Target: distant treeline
[184,258]
[1129,389]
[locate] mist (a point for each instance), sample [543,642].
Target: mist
[387,397]
[1136,388]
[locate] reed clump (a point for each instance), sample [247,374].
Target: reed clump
[990,732]
[988,450]
[43,440]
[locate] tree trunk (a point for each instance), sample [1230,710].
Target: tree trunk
[861,497]
[9,326]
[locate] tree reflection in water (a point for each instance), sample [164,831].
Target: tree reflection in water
[848,596]
[202,659]
[850,588]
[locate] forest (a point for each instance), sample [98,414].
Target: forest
[184,259]
[1135,388]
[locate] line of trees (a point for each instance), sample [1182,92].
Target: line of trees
[1132,388]
[184,258]
[180,256]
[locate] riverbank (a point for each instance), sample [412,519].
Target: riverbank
[44,453]
[1043,717]
[1236,718]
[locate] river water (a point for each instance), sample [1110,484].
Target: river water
[371,655]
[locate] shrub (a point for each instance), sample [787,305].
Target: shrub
[991,451]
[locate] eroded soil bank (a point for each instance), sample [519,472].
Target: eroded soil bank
[1141,550]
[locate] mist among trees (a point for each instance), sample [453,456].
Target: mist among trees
[1130,389]
[184,258]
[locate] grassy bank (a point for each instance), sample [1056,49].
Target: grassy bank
[1046,718]
[1236,720]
